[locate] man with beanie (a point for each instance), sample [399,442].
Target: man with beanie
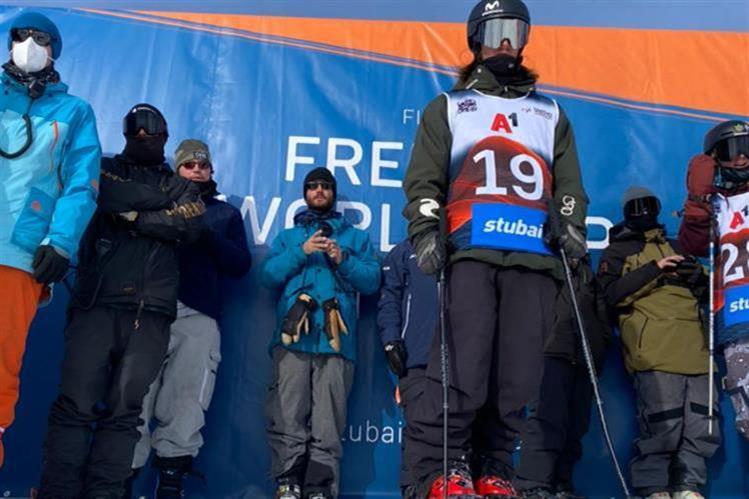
[123,301]
[183,389]
[656,293]
[319,266]
[49,171]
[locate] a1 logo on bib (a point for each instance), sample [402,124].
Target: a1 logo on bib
[501,123]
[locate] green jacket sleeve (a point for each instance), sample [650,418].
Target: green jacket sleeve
[426,179]
[569,195]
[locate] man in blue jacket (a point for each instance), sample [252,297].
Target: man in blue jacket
[319,265]
[406,319]
[184,388]
[49,171]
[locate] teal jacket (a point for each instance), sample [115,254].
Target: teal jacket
[287,268]
[48,194]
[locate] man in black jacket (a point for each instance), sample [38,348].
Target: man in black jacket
[124,299]
[183,390]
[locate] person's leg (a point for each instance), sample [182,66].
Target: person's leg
[85,376]
[579,406]
[19,296]
[332,377]
[547,427]
[660,407]
[737,382]
[526,301]
[689,470]
[411,387]
[137,363]
[288,411]
[471,317]
[143,447]
[188,382]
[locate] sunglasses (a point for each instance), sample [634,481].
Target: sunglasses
[311,186]
[191,165]
[40,37]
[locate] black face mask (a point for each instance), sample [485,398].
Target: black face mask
[643,223]
[503,65]
[731,178]
[145,151]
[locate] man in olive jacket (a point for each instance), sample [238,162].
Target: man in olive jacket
[656,292]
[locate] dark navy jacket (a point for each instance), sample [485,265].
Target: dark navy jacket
[221,251]
[407,308]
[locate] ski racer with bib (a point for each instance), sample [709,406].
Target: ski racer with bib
[718,186]
[489,160]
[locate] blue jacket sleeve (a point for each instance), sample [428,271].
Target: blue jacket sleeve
[233,257]
[79,176]
[361,269]
[389,319]
[284,262]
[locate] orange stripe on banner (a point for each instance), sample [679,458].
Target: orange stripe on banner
[691,69]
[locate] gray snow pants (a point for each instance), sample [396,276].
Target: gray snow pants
[182,391]
[674,442]
[737,382]
[306,412]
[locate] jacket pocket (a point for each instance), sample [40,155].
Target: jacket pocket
[209,379]
[641,334]
[407,316]
[33,223]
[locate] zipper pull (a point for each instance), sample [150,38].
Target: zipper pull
[136,323]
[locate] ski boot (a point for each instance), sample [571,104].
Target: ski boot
[495,487]
[172,470]
[288,488]
[459,485]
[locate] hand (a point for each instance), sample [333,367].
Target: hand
[567,237]
[700,176]
[316,242]
[431,252]
[669,263]
[396,354]
[49,265]
[334,251]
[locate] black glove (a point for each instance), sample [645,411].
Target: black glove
[560,234]
[297,319]
[431,251]
[49,265]
[395,351]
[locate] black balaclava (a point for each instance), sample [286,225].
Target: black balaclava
[147,150]
[323,174]
[641,209]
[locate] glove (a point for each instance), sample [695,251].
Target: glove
[297,319]
[49,265]
[701,176]
[431,252]
[334,324]
[128,216]
[563,235]
[395,351]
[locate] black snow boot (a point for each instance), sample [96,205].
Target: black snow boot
[172,470]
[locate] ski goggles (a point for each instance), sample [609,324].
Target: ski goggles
[22,34]
[493,32]
[311,186]
[732,147]
[641,207]
[144,119]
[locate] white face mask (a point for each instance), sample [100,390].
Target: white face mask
[29,56]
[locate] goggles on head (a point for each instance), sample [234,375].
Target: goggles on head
[642,207]
[145,119]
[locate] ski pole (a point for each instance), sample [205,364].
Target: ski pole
[592,372]
[711,331]
[445,374]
